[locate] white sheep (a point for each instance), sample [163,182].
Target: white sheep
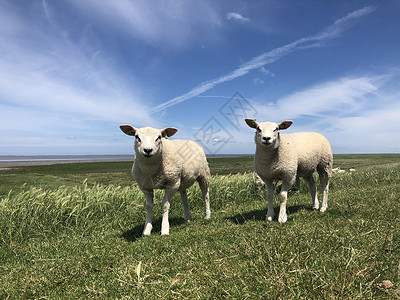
[286,156]
[170,165]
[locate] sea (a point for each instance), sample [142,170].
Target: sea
[28,160]
[7,161]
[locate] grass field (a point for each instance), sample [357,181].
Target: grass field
[73,231]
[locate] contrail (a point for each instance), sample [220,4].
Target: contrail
[329,32]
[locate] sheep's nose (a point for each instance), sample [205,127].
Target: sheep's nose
[148,150]
[266,139]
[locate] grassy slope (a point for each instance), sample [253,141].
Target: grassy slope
[83,239]
[118,173]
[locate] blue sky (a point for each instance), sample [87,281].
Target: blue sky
[72,71]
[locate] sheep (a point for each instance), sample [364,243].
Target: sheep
[170,165]
[260,182]
[352,170]
[286,156]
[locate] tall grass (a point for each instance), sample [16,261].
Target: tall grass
[84,242]
[38,210]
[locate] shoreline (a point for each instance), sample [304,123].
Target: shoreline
[12,161]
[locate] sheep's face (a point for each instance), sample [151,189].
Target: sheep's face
[148,140]
[267,133]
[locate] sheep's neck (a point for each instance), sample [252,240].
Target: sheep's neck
[149,165]
[267,155]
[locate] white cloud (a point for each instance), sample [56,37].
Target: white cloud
[166,23]
[266,72]
[53,87]
[352,112]
[343,95]
[43,69]
[237,17]
[329,32]
[258,81]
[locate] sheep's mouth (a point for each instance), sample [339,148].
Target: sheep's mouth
[266,144]
[147,154]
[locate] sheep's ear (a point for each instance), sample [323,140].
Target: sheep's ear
[285,125]
[128,129]
[169,131]
[251,122]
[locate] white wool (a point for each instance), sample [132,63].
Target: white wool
[172,165]
[285,156]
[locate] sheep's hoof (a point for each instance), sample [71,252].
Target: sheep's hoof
[164,230]
[165,233]
[147,230]
[323,209]
[270,218]
[282,219]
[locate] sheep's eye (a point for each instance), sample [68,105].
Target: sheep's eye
[276,129]
[258,129]
[137,138]
[158,138]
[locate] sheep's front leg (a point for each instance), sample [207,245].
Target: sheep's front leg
[149,207]
[165,209]
[283,198]
[270,195]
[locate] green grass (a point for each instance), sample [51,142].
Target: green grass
[118,173]
[62,236]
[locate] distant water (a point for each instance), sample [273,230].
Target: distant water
[27,160]
[22,160]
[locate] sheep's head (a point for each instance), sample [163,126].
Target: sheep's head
[267,133]
[148,140]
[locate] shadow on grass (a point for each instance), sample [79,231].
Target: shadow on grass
[260,214]
[136,232]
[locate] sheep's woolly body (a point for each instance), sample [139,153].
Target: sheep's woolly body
[298,153]
[287,156]
[178,166]
[169,165]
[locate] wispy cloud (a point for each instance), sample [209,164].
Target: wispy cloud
[43,68]
[166,23]
[329,100]
[372,130]
[356,113]
[237,17]
[266,72]
[313,41]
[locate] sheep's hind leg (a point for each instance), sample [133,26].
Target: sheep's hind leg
[270,195]
[165,209]
[185,204]
[149,207]
[324,179]
[204,187]
[313,191]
